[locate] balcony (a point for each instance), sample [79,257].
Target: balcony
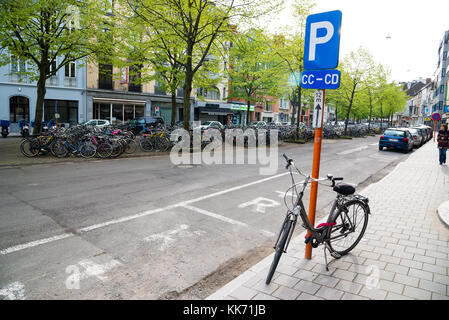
[52,81]
[70,82]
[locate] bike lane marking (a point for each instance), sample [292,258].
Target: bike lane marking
[39,242]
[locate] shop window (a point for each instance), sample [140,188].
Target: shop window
[67,110]
[19,108]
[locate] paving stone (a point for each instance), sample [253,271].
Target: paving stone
[286,281]
[407,280]
[441,279]
[411,263]
[416,293]
[306,296]
[329,293]
[306,275]
[243,293]
[344,274]
[350,296]
[391,286]
[397,268]
[433,286]
[264,288]
[374,294]
[436,296]
[263,296]
[349,286]
[389,259]
[394,296]
[426,259]
[326,280]
[307,286]
[285,293]
[420,274]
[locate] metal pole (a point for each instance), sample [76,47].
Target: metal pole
[315,175]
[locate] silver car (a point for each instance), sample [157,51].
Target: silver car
[418,139]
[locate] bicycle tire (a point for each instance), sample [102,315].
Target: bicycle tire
[131,146]
[29,148]
[88,150]
[339,227]
[146,144]
[279,249]
[104,150]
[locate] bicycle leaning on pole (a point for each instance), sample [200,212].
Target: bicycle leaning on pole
[343,230]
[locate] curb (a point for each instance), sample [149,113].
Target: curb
[443,213]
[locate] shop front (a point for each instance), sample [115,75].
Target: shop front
[117,111]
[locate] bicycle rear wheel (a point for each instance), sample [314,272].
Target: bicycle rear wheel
[285,232]
[29,148]
[349,229]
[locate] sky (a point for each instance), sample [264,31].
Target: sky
[416,28]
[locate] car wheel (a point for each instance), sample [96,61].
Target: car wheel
[381,148]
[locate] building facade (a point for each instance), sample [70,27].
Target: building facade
[65,96]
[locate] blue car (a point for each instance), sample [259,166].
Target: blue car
[396,138]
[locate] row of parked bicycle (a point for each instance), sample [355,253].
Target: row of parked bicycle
[112,141]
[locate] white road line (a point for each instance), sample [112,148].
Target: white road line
[35,243]
[140,215]
[352,150]
[216,216]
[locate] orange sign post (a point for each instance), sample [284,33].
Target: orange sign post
[318,125]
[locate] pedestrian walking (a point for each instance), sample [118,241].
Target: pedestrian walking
[443,142]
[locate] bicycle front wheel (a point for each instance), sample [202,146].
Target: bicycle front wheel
[350,227]
[285,232]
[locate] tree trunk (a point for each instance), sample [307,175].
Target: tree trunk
[336,115]
[381,117]
[370,113]
[349,109]
[41,90]
[248,115]
[173,108]
[187,93]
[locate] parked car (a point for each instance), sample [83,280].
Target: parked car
[97,122]
[423,133]
[428,131]
[258,124]
[142,124]
[400,139]
[417,137]
[211,125]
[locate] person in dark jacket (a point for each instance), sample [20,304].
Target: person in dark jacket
[443,142]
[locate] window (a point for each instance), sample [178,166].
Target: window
[209,93]
[19,108]
[67,110]
[17,65]
[267,106]
[70,70]
[105,76]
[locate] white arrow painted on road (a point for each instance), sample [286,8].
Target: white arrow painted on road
[167,236]
[260,204]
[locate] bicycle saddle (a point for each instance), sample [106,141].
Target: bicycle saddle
[344,189]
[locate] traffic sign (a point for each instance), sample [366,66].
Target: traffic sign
[318,108]
[320,79]
[436,116]
[322,41]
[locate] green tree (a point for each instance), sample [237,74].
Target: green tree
[49,35]
[292,51]
[255,71]
[355,70]
[196,25]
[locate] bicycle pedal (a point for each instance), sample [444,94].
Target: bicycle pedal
[307,240]
[336,255]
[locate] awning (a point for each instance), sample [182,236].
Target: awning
[216,111]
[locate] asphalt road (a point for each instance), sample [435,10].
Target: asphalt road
[143,228]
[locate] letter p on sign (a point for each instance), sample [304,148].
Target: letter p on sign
[322,43]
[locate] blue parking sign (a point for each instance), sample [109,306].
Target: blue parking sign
[322,40]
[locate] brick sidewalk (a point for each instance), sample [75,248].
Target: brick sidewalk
[403,255]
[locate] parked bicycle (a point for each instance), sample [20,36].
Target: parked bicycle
[345,226]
